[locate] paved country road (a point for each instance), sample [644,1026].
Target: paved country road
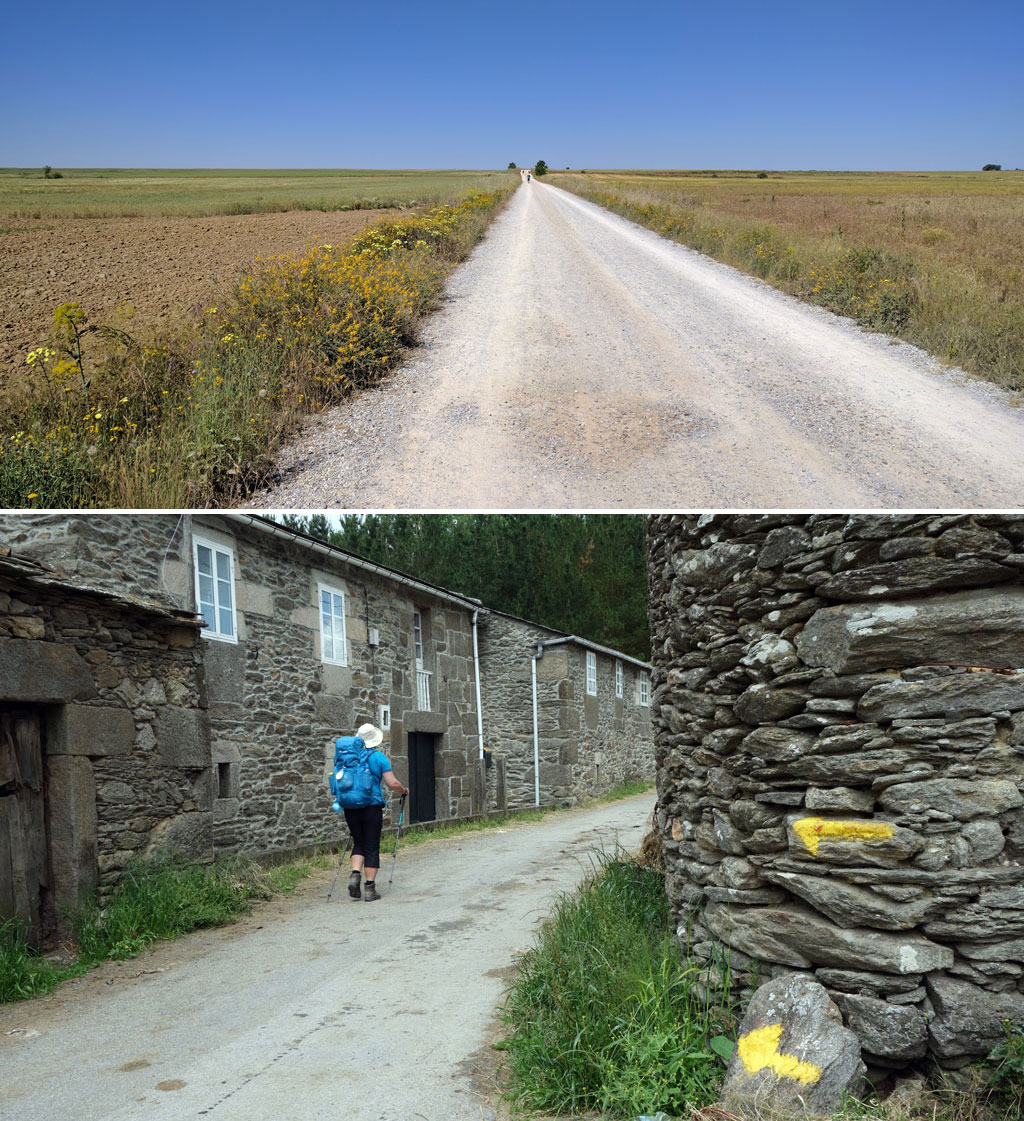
[582,362]
[309,1009]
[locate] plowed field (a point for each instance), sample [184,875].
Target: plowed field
[162,267]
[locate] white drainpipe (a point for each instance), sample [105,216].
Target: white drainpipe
[538,653]
[476,675]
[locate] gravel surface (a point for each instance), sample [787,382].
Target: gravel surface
[581,362]
[309,1009]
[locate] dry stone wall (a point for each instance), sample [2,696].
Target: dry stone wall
[839,733]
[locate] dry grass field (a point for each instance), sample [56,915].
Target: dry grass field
[936,258]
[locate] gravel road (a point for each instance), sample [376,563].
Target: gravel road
[582,362]
[313,1009]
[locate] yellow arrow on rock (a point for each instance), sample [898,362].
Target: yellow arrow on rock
[760,1048]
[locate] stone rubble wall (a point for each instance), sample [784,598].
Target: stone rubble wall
[125,736]
[586,745]
[839,735]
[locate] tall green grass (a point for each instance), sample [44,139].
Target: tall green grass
[603,1014]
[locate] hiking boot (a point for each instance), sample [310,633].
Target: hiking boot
[370,891]
[353,885]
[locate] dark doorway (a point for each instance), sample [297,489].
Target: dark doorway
[421,776]
[24,851]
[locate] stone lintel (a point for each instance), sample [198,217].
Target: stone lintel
[32,671]
[430,722]
[92,730]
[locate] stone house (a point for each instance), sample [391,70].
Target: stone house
[301,643]
[104,748]
[579,710]
[839,733]
[298,642]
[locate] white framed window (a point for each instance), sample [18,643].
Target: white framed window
[618,679]
[215,588]
[591,674]
[417,631]
[384,718]
[333,649]
[422,674]
[643,689]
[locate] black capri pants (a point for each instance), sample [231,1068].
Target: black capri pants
[365,824]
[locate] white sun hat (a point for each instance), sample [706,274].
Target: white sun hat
[370,735]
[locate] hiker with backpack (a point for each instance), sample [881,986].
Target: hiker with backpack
[355,782]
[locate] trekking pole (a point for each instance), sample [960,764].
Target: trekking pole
[337,873]
[394,855]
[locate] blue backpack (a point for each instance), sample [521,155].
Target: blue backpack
[352,782]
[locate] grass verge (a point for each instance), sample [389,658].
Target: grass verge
[604,1018]
[152,902]
[603,1014]
[935,261]
[192,418]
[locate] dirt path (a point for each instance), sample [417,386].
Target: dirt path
[369,1012]
[582,362]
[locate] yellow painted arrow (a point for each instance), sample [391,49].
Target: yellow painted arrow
[813,830]
[760,1048]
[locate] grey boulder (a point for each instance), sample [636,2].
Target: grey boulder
[793,1056]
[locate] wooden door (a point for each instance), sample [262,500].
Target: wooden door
[24,850]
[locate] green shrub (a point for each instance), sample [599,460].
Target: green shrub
[1007,1079]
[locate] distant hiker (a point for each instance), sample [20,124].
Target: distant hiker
[356,781]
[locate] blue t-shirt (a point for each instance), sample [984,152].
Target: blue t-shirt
[378,764]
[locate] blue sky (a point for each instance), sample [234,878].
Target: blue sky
[860,85]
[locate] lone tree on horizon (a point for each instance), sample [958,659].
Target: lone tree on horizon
[540,168]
